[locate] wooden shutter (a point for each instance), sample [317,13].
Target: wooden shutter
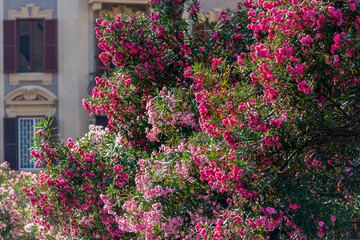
[50,45]
[10,40]
[10,142]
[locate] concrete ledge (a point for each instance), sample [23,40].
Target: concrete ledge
[96,5]
[45,78]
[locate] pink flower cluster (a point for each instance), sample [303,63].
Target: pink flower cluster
[15,212]
[219,134]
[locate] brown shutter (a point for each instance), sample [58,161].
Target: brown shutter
[10,40]
[50,45]
[10,142]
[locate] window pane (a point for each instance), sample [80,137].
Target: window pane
[24,46]
[37,46]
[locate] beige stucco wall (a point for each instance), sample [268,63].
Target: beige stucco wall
[207,5]
[75,38]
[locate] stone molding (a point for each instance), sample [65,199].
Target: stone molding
[30,11]
[30,101]
[44,78]
[118,9]
[96,5]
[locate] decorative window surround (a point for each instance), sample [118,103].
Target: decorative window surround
[118,9]
[30,11]
[212,15]
[45,78]
[30,101]
[96,5]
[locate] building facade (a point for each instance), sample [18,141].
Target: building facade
[48,62]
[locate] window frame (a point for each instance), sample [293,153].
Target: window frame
[11,45]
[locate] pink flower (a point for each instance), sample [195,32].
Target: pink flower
[352,7]
[302,86]
[333,218]
[198,226]
[154,16]
[331,9]
[320,234]
[203,232]
[321,223]
[293,206]
[309,39]
[117,169]
[271,210]
[240,61]
[215,63]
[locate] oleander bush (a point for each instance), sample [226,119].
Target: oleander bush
[15,209]
[246,128]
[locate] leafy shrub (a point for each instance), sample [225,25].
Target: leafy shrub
[245,129]
[15,211]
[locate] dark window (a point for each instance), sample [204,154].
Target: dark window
[101,121]
[30,45]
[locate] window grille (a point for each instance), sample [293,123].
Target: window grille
[27,128]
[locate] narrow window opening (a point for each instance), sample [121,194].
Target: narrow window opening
[31,45]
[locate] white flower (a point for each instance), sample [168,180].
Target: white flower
[28,227]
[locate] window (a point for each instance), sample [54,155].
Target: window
[26,130]
[18,134]
[30,45]
[101,121]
